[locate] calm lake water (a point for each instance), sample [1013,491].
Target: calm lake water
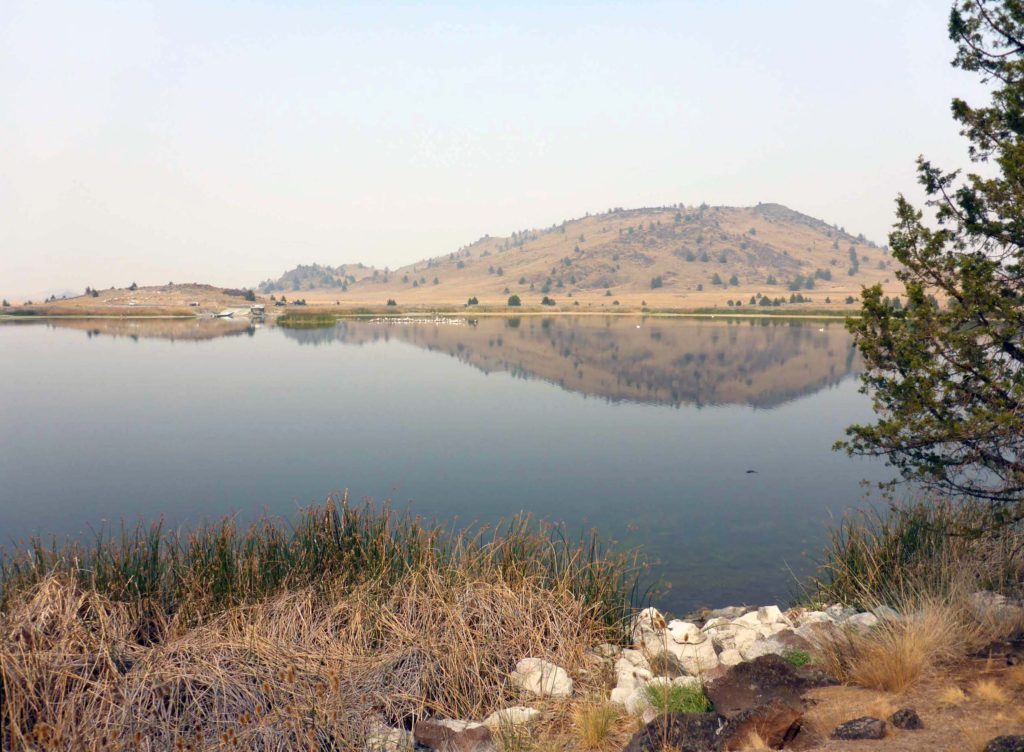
[645,429]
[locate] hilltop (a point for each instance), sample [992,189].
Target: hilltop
[675,256]
[667,258]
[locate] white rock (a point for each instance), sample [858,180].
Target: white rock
[456,724]
[730,657]
[633,700]
[885,613]
[607,650]
[743,635]
[729,612]
[770,615]
[542,678]
[762,647]
[649,618]
[514,716]
[628,676]
[839,613]
[718,621]
[995,608]
[383,738]
[749,619]
[684,631]
[813,617]
[695,658]
[634,658]
[722,637]
[865,620]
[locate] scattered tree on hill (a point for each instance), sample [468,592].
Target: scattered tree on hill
[513,300]
[948,383]
[716,279]
[700,288]
[133,287]
[95,293]
[547,301]
[249,296]
[391,302]
[473,301]
[657,282]
[734,280]
[5,304]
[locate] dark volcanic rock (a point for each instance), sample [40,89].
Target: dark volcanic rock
[860,728]
[435,736]
[1006,744]
[760,682]
[906,719]
[776,723]
[680,732]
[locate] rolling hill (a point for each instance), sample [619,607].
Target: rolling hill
[674,256]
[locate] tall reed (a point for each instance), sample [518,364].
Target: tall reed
[217,566]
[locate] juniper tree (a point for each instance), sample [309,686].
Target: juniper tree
[947,380]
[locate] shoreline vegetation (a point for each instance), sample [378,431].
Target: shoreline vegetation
[352,626]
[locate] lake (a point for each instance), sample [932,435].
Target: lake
[707,442]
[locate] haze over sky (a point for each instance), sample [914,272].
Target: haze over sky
[227,141]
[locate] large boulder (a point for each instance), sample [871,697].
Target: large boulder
[860,728]
[762,681]
[694,650]
[776,723]
[680,732]
[906,719]
[542,678]
[1006,744]
[458,736]
[781,643]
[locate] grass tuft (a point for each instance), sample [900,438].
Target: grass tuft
[797,658]
[677,698]
[988,690]
[897,653]
[594,723]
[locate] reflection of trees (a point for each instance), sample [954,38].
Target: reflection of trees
[760,362]
[193,329]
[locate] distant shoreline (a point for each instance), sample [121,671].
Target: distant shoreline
[426,314]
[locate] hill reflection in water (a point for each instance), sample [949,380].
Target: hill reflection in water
[756,362]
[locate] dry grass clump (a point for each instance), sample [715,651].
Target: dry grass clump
[952,695]
[88,663]
[298,670]
[594,723]
[988,690]
[896,653]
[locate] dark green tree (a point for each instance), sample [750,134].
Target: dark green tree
[948,381]
[513,300]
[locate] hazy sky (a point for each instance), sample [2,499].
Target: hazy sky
[225,141]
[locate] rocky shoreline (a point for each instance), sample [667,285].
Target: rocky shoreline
[753,665]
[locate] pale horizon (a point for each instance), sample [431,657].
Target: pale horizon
[226,143]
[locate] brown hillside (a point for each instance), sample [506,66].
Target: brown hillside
[624,255]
